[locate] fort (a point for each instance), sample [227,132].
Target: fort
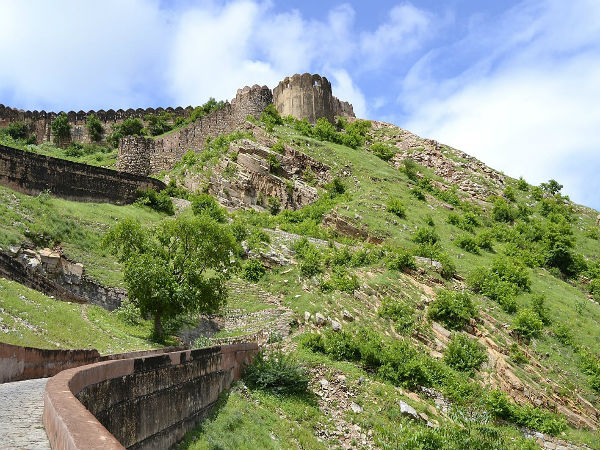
[303,96]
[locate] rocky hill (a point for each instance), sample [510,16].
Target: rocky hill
[433,302]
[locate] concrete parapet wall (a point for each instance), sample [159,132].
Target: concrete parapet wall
[139,403]
[31,174]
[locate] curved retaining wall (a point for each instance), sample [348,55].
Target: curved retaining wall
[139,403]
[24,363]
[31,174]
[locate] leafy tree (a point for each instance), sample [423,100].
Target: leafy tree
[552,187]
[95,128]
[205,204]
[527,324]
[208,107]
[61,129]
[383,151]
[253,270]
[159,123]
[130,127]
[180,266]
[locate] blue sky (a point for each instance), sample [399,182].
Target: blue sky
[514,83]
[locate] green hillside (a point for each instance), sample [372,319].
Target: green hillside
[468,295]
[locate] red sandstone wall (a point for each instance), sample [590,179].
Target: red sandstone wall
[148,402]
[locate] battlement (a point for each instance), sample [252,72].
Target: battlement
[40,120]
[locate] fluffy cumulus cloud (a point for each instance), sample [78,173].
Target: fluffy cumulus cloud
[80,54]
[528,105]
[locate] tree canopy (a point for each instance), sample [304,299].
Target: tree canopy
[180,266]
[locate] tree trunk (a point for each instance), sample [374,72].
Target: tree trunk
[158,329]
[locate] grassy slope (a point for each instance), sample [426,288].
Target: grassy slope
[77,226]
[32,319]
[373,182]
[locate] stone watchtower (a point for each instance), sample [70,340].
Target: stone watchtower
[308,97]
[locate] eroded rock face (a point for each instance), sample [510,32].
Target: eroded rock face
[468,174]
[53,266]
[252,174]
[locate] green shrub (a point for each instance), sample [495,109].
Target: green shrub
[452,308]
[128,312]
[94,128]
[18,130]
[426,235]
[402,314]
[75,150]
[383,151]
[311,263]
[538,306]
[485,240]
[464,354]
[410,169]
[159,123]
[274,205]
[176,191]
[278,147]
[418,194]
[342,280]
[564,335]
[448,267]
[61,129]
[509,194]
[309,176]
[303,127]
[131,126]
[527,324]
[522,185]
[274,163]
[276,372]
[205,109]
[395,206]
[205,204]
[467,243]
[335,187]
[270,117]
[159,201]
[594,288]
[401,260]
[502,211]
[253,270]
[500,407]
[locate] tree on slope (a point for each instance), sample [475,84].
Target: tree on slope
[180,266]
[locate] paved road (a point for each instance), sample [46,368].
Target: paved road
[21,405]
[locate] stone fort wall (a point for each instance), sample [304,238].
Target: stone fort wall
[144,402]
[31,173]
[40,121]
[146,155]
[309,97]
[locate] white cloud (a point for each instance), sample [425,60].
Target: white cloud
[345,89]
[404,31]
[95,55]
[529,108]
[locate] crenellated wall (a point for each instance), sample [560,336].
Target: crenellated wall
[308,96]
[40,121]
[142,402]
[145,156]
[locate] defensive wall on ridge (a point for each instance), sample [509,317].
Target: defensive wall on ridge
[40,121]
[31,173]
[146,155]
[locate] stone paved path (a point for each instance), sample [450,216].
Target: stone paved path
[21,405]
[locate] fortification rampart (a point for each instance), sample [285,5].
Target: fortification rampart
[31,173]
[308,96]
[40,121]
[144,156]
[139,403]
